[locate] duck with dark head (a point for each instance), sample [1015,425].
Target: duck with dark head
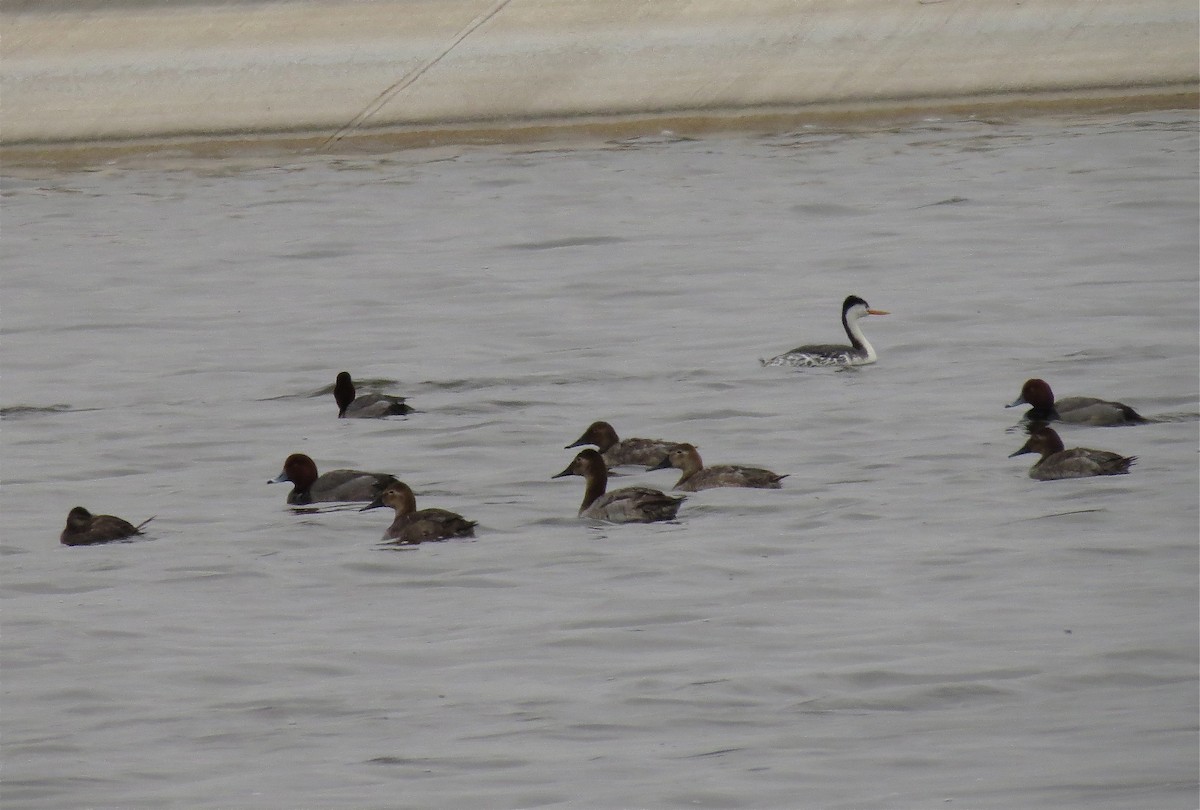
[344,486]
[366,406]
[1072,410]
[85,529]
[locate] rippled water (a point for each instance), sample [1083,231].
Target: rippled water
[911,622]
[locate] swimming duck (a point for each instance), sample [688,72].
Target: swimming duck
[413,526]
[1078,462]
[367,406]
[859,353]
[625,505]
[85,529]
[338,485]
[696,476]
[617,452]
[1073,410]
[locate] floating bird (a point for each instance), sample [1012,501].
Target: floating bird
[625,505]
[858,353]
[1073,410]
[413,526]
[696,476]
[617,451]
[367,406]
[1078,462]
[338,485]
[85,529]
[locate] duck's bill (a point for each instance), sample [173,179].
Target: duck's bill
[878,312]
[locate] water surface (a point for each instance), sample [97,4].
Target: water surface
[911,622]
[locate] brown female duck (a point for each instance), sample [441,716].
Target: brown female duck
[1078,462]
[413,525]
[618,452]
[696,476]
[85,529]
[625,505]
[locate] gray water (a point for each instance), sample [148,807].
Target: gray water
[911,622]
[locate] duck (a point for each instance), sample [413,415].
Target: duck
[625,505]
[367,406]
[338,485]
[860,352]
[85,529]
[619,452]
[1078,462]
[696,476]
[1073,410]
[413,526]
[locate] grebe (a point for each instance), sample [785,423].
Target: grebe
[858,353]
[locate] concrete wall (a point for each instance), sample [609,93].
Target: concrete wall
[149,70]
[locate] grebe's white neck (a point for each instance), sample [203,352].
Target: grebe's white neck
[858,340]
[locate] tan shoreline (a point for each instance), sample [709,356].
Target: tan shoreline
[591,129]
[285,77]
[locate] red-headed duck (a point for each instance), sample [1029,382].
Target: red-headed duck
[413,526]
[625,505]
[367,406]
[617,451]
[85,529]
[859,353]
[1073,410]
[696,476]
[1078,462]
[338,485]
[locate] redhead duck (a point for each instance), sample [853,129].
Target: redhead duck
[626,505]
[85,529]
[413,526]
[1073,410]
[1078,462]
[858,353]
[338,485]
[696,476]
[617,452]
[367,406]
